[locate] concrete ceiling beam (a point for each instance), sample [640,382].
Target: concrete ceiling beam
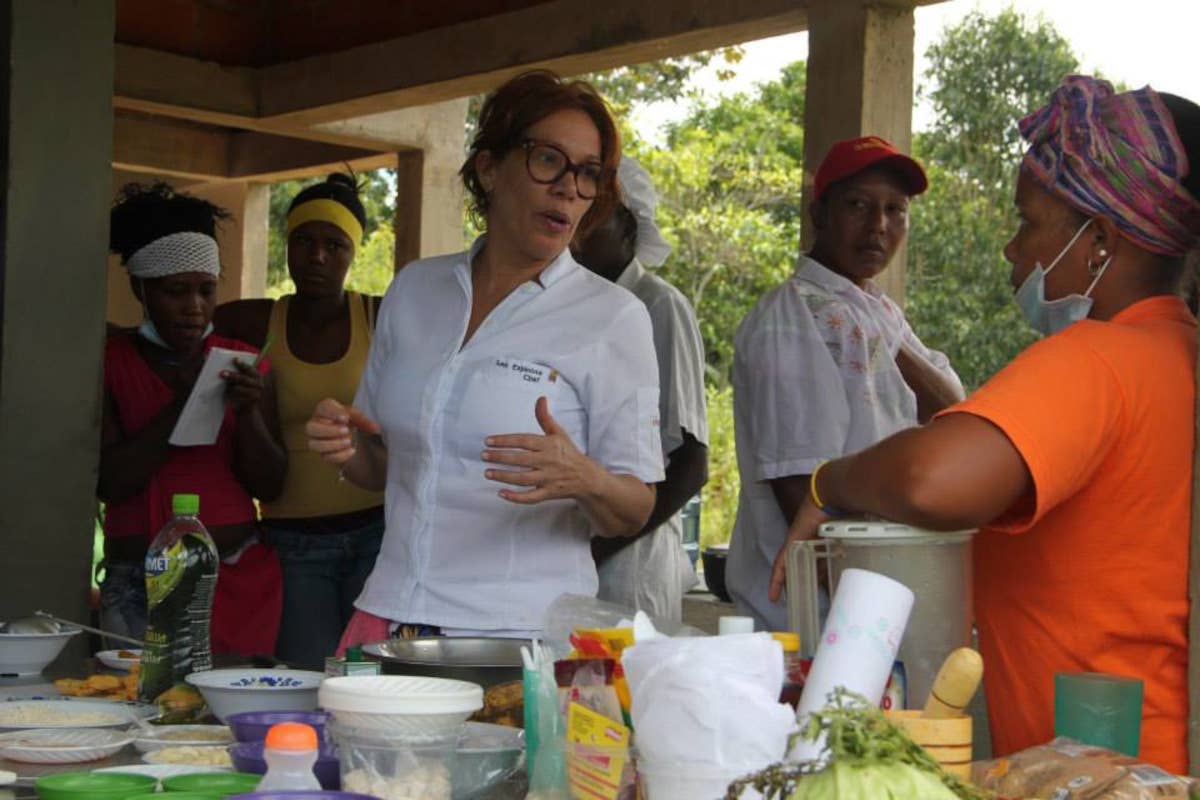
[181,149]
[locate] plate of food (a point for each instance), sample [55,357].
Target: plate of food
[100,687]
[65,713]
[119,659]
[61,746]
[212,757]
[156,737]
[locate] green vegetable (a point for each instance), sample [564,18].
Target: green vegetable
[866,757]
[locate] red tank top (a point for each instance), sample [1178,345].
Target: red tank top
[138,394]
[249,594]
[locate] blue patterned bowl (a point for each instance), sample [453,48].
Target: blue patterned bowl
[229,691]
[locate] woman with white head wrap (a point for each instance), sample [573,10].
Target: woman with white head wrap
[651,572]
[166,241]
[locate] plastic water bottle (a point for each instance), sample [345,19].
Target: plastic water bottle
[181,577]
[290,752]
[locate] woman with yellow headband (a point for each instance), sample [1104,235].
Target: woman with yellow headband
[327,532]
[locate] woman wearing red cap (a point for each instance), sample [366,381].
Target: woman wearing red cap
[826,364]
[1076,459]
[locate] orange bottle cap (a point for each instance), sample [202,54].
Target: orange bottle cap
[291,736]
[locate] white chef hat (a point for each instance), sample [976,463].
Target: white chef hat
[639,197]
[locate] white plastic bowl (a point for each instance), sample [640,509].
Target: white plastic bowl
[405,705]
[30,653]
[228,691]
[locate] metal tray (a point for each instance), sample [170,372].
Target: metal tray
[476,659]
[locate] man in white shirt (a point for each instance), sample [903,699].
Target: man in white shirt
[650,571]
[825,364]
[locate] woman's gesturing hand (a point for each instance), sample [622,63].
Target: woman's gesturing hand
[332,427]
[548,466]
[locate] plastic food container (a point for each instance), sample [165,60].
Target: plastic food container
[252,726]
[93,785]
[248,757]
[402,705]
[177,796]
[219,784]
[391,766]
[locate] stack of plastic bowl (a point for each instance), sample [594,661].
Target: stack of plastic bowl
[250,728]
[402,705]
[93,785]
[220,784]
[398,734]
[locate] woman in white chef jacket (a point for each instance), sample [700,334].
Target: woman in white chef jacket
[509,406]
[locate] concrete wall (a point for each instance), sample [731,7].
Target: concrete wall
[438,130]
[59,57]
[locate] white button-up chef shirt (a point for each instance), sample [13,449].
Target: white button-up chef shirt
[814,378]
[653,573]
[455,553]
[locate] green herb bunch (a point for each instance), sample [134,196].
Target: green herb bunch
[856,733]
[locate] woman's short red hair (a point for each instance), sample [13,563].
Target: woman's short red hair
[530,97]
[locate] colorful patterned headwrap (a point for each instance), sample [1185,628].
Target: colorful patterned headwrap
[1118,156]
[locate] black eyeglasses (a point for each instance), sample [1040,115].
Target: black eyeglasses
[547,164]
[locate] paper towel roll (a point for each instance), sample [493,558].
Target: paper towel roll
[858,645]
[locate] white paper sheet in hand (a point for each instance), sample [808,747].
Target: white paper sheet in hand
[200,421]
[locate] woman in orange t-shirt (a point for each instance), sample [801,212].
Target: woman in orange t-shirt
[1076,459]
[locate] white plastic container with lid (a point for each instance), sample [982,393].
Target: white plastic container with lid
[290,751]
[936,566]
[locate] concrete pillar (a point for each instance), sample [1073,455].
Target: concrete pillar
[242,240]
[410,184]
[56,134]
[859,83]
[430,144]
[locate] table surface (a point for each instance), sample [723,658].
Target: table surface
[41,687]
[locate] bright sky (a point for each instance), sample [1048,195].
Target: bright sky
[1135,41]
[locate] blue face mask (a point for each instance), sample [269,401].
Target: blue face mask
[150,333]
[1051,316]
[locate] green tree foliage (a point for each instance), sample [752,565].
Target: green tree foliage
[377,190]
[985,73]
[728,180]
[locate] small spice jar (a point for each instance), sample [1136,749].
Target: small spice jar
[793,670]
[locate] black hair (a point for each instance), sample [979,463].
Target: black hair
[146,212]
[338,187]
[1186,116]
